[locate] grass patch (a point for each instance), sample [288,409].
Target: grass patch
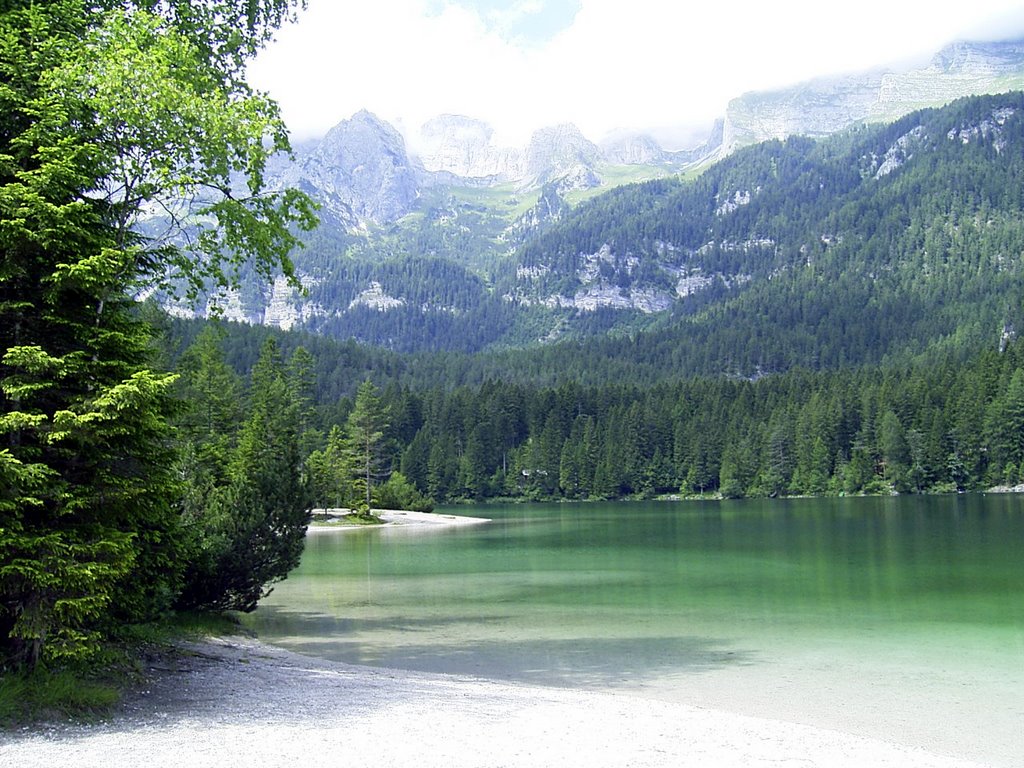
[46,695]
[88,690]
[179,625]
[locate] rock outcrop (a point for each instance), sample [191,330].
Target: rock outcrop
[464,147]
[632,149]
[558,151]
[359,172]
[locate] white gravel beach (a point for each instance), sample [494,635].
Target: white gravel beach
[238,702]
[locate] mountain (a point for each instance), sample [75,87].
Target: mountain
[359,172]
[632,149]
[562,151]
[453,241]
[364,173]
[463,147]
[825,106]
[883,242]
[875,244]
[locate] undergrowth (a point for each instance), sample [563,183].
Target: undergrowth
[88,690]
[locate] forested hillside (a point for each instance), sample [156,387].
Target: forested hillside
[875,244]
[867,246]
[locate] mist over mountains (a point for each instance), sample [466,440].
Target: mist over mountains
[462,244]
[365,171]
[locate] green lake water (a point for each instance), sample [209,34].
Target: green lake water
[898,618]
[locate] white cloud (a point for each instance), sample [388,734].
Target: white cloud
[636,64]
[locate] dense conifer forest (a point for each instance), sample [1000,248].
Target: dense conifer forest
[943,425]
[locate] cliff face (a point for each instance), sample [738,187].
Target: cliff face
[559,151]
[464,147]
[359,172]
[632,149]
[816,108]
[828,105]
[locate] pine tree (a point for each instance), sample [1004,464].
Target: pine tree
[106,107]
[330,472]
[365,430]
[255,527]
[892,443]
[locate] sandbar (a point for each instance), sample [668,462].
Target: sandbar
[393,518]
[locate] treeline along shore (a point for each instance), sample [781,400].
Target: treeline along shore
[941,424]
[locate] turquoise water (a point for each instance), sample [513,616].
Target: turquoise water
[894,617]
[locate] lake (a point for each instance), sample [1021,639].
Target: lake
[900,618]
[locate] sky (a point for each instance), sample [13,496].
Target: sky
[665,66]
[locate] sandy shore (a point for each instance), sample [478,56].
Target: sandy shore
[238,702]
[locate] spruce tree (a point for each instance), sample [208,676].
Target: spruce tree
[365,428]
[106,108]
[254,529]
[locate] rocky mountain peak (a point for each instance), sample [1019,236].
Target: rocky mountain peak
[558,150]
[464,147]
[362,164]
[353,139]
[632,149]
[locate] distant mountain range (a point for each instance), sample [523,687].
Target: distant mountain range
[467,245]
[365,173]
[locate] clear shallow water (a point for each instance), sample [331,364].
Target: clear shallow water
[900,618]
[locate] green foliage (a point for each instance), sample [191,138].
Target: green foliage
[106,110]
[365,431]
[398,493]
[86,500]
[867,430]
[29,696]
[248,527]
[330,471]
[919,427]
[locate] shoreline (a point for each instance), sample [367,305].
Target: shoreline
[398,517]
[237,701]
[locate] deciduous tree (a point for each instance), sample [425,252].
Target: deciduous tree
[111,111]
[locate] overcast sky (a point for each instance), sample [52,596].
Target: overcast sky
[602,64]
